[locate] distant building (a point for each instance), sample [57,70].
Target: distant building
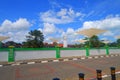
[60,45]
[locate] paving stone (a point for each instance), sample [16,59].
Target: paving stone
[67,70]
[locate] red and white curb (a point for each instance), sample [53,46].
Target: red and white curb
[59,60]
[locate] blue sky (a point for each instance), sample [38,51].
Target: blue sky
[58,18]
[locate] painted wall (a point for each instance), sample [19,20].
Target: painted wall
[70,53]
[26,54]
[97,52]
[114,51]
[37,54]
[3,55]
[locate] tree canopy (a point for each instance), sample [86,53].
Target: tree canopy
[118,42]
[94,42]
[35,39]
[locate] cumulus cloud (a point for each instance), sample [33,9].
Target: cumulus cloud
[61,17]
[52,18]
[108,33]
[19,36]
[15,30]
[107,23]
[112,24]
[71,35]
[70,31]
[49,28]
[20,24]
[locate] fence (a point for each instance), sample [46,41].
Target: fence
[14,54]
[98,73]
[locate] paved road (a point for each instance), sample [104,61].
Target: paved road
[67,70]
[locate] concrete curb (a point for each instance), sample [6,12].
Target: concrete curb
[57,60]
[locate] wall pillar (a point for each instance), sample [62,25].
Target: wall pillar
[57,52]
[107,50]
[11,54]
[87,51]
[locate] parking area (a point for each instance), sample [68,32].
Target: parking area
[66,70]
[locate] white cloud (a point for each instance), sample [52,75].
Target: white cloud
[107,23]
[108,33]
[71,35]
[51,18]
[70,31]
[40,29]
[63,34]
[61,17]
[110,23]
[19,36]
[17,30]
[49,28]
[63,12]
[20,24]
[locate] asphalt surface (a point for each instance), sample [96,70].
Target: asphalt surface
[66,70]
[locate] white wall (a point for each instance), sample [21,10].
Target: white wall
[114,51]
[25,55]
[39,54]
[70,53]
[97,52]
[3,56]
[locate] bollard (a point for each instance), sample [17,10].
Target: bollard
[99,74]
[56,79]
[81,76]
[113,77]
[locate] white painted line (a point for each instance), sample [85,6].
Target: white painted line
[15,64]
[101,56]
[44,61]
[55,60]
[105,76]
[31,63]
[107,56]
[89,57]
[65,59]
[96,57]
[83,58]
[117,72]
[112,55]
[1,65]
[75,59]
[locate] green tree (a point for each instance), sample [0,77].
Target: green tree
[35,39]
[93,42]
[118,42]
